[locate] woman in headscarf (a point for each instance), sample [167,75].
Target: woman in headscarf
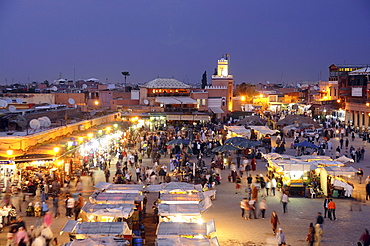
[21,237]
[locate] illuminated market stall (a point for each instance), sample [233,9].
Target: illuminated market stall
[334,181]
[83,230]
[106,212]
[100,241]
[189,230]
[180,241]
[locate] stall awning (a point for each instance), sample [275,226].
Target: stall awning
[186,100]
[216,110]
[167,100]
[97,228]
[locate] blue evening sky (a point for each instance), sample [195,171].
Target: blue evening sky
[268,40]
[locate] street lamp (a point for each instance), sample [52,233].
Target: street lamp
[9,152]
[96,103]
[56,150]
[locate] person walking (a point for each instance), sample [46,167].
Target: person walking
[326,201]
[318,235]
[311,235]
[365,238]
[70,203]
[332,207]
[280,237]
[79,204]
[320,219]
[360,175]
[263,207]
[273,186]
[274,221]
[367,191]
[238,182]
[56,206]
[285,200]
[252,209]
[244,208]
[107,175]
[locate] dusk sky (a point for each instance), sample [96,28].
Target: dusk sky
[270,40]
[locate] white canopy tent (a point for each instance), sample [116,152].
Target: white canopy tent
[122,187]
[193,198]
[90,229]
[99,241]
[239,131]
[335,172]
[178,229]
[181,241]
[263,130]
[106,212]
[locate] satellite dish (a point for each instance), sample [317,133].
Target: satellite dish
[84,86]
[92,112]
[42,122]
[47,120]
[3,104]
[71,101]
[146,102]
[12,108]
[35,124]
[19,100]
[54,88]
[9,100]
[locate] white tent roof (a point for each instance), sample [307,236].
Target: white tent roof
[341,171]
[122,187]
[186,100]
[167,100]
[184,209]
[216,110]
[193,198]
[97,228]
[115,198]
[98,241]
[181,241]
[344,159]
[161,83]
[263,130]
[240,130]
[176,229]
[361,71]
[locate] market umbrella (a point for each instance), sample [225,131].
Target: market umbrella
[234,140]
[178,142]
[247,144]
[306,144]
[224,148]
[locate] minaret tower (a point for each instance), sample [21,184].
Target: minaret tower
[223,78]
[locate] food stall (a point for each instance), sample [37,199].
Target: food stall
[334,180]
[294,174]
[183,212]
[117,198]
[101,241]
[106,212]
[189,230]
[188,198]
[116,188]
[180,241]
[83,230]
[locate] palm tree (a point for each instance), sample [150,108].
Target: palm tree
[125,74]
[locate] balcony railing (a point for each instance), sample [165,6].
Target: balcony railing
[180,109]
[168,94]
[356,100]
